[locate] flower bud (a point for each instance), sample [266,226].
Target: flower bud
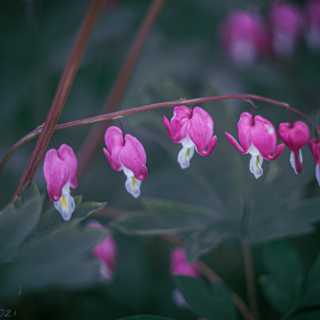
[295,138]
[315,150]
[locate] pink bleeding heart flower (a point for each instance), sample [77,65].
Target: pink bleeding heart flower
[60,172]
[107,252]
[313,24]
[180,266]
[259,139]
[294,137]
[245,37]
[315,150]
[286,27]
[193,129]
[127,154]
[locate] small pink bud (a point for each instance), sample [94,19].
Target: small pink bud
[286,27]
[106,251]
[258,139]
[60,172]
[179,264]
[313,24]
[129,156]
[193,129]
[315,150]
[295,138]
[244,36]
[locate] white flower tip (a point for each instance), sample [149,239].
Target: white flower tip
[179,299]
[184,157]
[293,162]
[66,206]
[318,173]
[133,186]
[255,166]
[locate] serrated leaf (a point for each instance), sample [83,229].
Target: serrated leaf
[207,238]
[51,219]
[282,285]
[297,220]
[165,217]
[63,259]
[28,191]
[16,223]
[209,300]
[145,317]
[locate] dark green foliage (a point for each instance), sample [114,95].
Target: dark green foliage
[210,300]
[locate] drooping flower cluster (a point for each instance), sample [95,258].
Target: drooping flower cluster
[246,36]
[193,128]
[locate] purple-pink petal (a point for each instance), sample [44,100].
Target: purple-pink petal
[133,156]
[179,121]
[200,129]
[180,265]
[67,155]
[56,174]
[114,141]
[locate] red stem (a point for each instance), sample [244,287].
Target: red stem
[95,137]
[62,92]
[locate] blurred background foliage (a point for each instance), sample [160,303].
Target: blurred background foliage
[182,58]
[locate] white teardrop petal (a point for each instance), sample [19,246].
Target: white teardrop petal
[255,165]
[184,156]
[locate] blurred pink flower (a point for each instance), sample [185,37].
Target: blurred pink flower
[244,36]
[313,24]
[107,252]
[295,138]
[286,24]
[60,172]
[315,149]
[193,129]
[257,138]
[127,154]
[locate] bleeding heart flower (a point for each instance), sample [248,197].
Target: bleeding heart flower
[259,139]
[107,252]
[60,171]
[295,138]
[313,24]
[180,266]
[245,37]
[126,153]
[193,129]
[315,150]
[286,27]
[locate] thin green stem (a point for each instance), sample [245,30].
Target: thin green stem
[251,288]
[118,114]
[62,91]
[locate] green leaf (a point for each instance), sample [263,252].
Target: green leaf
[209,300]
[16,223]
[145,317]
[207,238]
[51,219]
[282,285]
[28,191]
[297,220]
[62,259]
[165,217]
[312,295]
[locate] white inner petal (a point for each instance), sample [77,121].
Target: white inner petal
[184,156]
[65,205]
[292,162]
[255,162]
[105,273]
[179,299]
[318,173]
[132,184]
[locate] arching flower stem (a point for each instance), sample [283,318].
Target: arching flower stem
[118,114]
